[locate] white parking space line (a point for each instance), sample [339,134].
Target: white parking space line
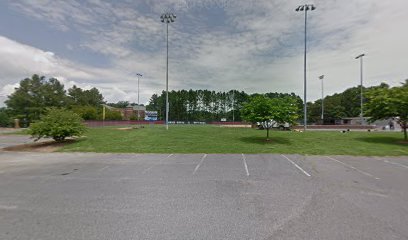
[199,164]
[393,163]
[297,166]
[352,167]
[147,169]
[245,164]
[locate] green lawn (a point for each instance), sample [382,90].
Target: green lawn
[216,139]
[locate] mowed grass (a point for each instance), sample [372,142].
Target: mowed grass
[216,139]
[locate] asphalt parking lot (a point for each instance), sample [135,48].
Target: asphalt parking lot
[12,140]
[202,196]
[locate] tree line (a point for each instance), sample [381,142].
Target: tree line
[35,94]
[205,105]
[340,105]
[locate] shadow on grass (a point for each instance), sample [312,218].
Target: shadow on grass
[263,141]
[384,140]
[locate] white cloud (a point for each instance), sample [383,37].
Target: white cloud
[20,61]
[255,45]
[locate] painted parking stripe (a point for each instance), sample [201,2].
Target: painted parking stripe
[352,167]
[147,169]
[245,164]
[393,163]
[297,166]
[199,164]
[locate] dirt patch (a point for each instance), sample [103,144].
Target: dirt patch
[124,129]
[403,142]
[48,146]
[129,128]
[237,126]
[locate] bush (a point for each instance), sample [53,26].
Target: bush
[58,124]
[4,119]
[86,112]
[112,115]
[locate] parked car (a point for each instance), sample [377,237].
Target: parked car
[275,125]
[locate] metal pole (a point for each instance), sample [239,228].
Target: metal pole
[138,91]
[304,84]
[322,102]
[167,80]
[361,89]
[233,107]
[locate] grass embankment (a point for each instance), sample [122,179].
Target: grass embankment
[216,139]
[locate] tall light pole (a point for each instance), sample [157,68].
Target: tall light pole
[233,106]
[305,8]
[139,75]
[361,86]
[167,18]
[321,78]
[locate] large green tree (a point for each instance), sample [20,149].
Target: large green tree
[269,110]
[385,103]
[34,94]
[80,97]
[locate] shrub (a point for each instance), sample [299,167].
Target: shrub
[86,112]
[4,119]
[112,115]
[58,124]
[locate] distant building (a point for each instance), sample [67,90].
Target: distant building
[130,112]
[133,112]
[385,124]
[351,121]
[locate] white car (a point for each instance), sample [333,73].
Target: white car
[273,124]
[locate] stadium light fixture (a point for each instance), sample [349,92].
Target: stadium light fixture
[361,87]
[305,8]
[322,78]
[167,18]
[139,75]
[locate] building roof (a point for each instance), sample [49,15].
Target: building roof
[139,108]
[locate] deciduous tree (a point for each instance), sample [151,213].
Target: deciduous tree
[266,110]
[385,103]
[58,124]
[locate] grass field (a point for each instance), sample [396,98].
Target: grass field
[216,139]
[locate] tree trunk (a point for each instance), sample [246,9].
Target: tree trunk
[404,126]
[267,134]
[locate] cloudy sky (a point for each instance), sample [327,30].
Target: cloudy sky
[255,46]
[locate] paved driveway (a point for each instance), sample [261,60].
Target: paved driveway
[198,196]
[11,140]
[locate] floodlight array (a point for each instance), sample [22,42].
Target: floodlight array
[306,7]
[168,17]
